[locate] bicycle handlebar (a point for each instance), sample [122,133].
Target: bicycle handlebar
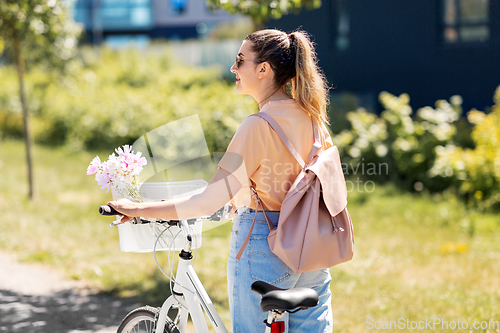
[108,210]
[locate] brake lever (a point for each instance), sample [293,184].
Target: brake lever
[136,220]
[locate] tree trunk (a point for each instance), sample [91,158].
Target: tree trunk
[24,103]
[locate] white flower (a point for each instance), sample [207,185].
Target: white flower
[381,150]
[354,152]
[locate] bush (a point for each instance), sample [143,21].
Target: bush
[113,98]
[404,144]
[426,151]
[475,172]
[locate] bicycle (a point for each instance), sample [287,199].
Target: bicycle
[189,297]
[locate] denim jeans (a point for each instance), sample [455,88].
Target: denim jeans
[259,263]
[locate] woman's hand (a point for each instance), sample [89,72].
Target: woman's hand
[127,208]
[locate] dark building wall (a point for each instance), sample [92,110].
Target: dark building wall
[396,46]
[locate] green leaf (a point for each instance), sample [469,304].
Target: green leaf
[39,24]
[260,11]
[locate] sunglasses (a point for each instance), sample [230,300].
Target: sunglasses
[240,61]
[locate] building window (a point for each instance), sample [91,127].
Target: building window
[113,14]
[177,7]
[342,26]
[465,21]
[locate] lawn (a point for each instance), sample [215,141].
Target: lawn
[419,259]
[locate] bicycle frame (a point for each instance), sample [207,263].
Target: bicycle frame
[189,289]
[188,293]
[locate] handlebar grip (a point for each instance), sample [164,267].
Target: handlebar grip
[108,210]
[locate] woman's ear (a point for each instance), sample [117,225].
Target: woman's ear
[264,70]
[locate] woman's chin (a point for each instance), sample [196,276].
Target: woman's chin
[239,90]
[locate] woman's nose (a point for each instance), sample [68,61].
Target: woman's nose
[233,68]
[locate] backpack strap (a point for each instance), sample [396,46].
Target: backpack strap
[317,141]
[271,226]
[274,125]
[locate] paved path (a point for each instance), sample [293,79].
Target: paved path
[36,299]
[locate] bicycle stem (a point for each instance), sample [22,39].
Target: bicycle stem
[187,235]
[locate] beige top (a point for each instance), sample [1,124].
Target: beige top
[257,156]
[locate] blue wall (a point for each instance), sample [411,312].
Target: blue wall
[396,46]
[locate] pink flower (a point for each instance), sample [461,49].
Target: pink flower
[125,151]
[94,166]
[104,181]
[141,161]
[92,169]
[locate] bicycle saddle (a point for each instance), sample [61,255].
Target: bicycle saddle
[274,298]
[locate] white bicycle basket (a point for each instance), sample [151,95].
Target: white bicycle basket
[141,238]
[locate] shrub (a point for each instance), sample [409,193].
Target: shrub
[114,97]
[475,172]
[426,150]
[406,145]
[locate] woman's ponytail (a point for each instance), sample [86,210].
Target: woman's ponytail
[309,87]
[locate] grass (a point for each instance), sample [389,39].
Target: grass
[415,255]
[414,260]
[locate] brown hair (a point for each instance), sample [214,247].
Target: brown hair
[293,59]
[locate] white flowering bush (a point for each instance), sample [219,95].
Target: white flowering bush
[400,139]
[365,142]
[475,172]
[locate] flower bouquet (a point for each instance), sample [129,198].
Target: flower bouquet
[124,167]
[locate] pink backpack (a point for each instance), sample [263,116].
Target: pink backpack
[314,229]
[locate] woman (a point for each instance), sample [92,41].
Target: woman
[279,71]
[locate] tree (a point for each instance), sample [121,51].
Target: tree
[42,30]
[262,10]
